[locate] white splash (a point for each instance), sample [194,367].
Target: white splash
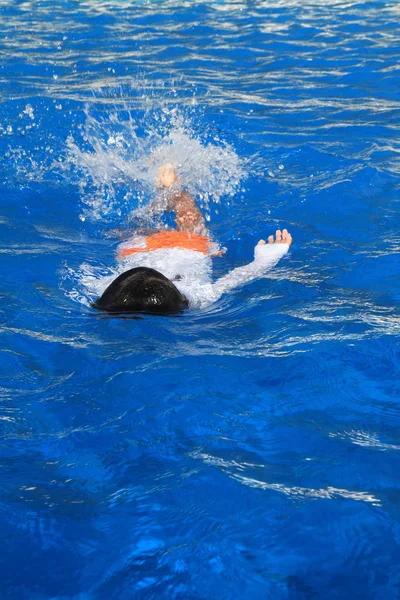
[116,154]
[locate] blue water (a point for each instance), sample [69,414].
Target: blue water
[251,450]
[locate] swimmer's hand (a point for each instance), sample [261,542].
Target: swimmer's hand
[281,237]
[166,176]
[266,256]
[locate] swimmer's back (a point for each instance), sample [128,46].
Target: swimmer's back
[168,239]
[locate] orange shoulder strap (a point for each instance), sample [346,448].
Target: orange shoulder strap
[171,239]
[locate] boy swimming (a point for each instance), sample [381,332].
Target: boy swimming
[169,271]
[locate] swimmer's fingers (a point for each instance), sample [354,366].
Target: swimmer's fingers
[286,237]
[281,237]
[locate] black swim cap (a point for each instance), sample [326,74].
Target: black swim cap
[142,290]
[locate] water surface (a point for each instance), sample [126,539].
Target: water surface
[249,450]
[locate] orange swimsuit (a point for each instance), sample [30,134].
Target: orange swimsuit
[171,239]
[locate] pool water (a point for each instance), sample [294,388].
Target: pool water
[249,450]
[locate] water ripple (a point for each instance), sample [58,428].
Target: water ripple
[248,450]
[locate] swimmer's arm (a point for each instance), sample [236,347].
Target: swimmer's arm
[187,215]
[266,256]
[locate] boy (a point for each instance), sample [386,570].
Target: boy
[171,270]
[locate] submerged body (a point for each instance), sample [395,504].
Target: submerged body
[191,270]
[171,270]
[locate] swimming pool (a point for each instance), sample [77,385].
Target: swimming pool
[249,450]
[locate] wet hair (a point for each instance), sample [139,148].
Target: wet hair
[142,290]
